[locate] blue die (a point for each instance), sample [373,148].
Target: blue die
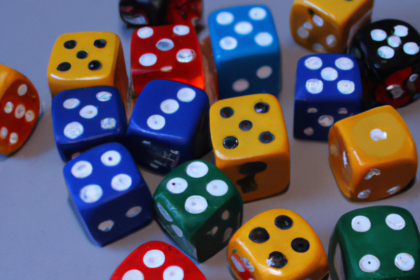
[87,117]
[246,51]
[108,191]
[169,125]
[328,89]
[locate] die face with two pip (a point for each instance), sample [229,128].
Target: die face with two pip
[108,192]
[372,154]
[246,50]
[199,207]
[277,244]
[158,261]
[328,89]
[19,109]
[250,144]
[328,26]
[380,242]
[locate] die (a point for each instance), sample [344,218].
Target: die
[169,125]
[86,117]
[250,144]
[389,58]
[372,154]
[108,192]
[246,50]
[277,244]
[322,26]
[159,261]
[328,89]
[379,242]
[199,207]
[19,109]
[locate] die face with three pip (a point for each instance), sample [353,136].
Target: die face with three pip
[169,125]
[250,144]
[328,89]
[372,154]
[200,208]
[246,50]
[328,26]
[277,244]
[19,109]
[109,192]
[380,242]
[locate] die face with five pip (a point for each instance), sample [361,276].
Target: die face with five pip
[19,109]
[380,242]
[199,206]
[372,154]
[328,26]
[246,50]
[158,261]
[250,144]
[109,193]
[277,244]
[328,89]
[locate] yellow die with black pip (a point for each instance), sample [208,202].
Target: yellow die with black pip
[250,144]
[372,154]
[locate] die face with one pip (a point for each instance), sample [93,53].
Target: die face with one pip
[277,244]
[380,242]
[250,144]
[109,193]
[199,207]
[372,154]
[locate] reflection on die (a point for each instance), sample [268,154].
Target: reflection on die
[277,244]
[108,192]
[372,154]
[380,242]
[199,207]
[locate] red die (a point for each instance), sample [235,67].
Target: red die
[180,10]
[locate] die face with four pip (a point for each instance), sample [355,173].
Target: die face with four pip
[372,154]
[246,50]
[328,26]
[109,192]
[250,144]
[19,109]
[277,244]
[200,208]
[328,89]
[380,242]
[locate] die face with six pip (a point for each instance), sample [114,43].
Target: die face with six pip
[250,144]
[372,154]
[199,206]
[109,193]
[246,50]
[328,89]
[380,242]
[328,26]
[277,244]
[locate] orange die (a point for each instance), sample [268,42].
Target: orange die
[250,144]
[372,154]
[277,244]
[19,109]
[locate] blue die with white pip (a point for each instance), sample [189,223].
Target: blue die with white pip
[328,89]
[109,192]
[169,125]
[246,50]
[87,117]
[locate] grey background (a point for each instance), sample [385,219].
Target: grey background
[40,237]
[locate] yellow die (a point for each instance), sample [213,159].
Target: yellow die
[250,144]
[328,25]
[277,244]
[372,154]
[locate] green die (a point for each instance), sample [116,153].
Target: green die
[380,242]
[200,207]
